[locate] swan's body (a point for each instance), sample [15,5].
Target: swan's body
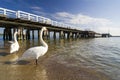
[36,52]
[14,45]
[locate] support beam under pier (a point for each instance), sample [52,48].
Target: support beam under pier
[33,34]
[54,34]
[27,34]
[61,34]
[7,34]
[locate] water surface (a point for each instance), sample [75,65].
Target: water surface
[73,59]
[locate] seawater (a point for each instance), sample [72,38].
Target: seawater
[99,55]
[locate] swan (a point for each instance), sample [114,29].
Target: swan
[14,44]
[36,52]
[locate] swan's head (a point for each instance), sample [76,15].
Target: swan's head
[44,29]
[16,32]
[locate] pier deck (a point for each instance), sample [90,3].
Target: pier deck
[10,19]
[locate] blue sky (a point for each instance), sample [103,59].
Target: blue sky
[98,15]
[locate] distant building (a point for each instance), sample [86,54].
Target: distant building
[106,35]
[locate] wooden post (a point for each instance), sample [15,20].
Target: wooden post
[28,34]
[54,35]
[71,35]
[68,35]
[7,34]
[48,36]
[32,34]
[38,34]
[77,35]
[20,33]
[4,34]
[10,34]
[61,34]
[24,34]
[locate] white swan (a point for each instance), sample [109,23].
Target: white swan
[36,52]
[14,45]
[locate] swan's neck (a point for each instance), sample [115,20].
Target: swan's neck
[41,39]
[15,36]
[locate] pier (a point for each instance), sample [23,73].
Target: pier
[28,23]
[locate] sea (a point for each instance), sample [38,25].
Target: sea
[98,57]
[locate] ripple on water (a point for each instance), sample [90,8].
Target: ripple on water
[83,59]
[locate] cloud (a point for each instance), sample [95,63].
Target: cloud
[115,30]
[40,13]
[38,10]
[83,21]
[80,21]
[63,16]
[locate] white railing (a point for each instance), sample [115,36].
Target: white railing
[8,13]
[32,17]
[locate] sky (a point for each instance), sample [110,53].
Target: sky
[101,16]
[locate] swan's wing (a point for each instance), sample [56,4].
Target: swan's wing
[14,47]
[28,54]
[33,53]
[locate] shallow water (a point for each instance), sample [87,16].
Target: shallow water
[73,59]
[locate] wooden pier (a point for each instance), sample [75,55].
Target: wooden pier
[28,23]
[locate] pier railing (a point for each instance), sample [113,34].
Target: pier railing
[31,17]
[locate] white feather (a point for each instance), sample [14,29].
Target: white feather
[36,52]
[14,44]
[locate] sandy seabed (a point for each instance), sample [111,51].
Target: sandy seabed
[47,69]
[59,71]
